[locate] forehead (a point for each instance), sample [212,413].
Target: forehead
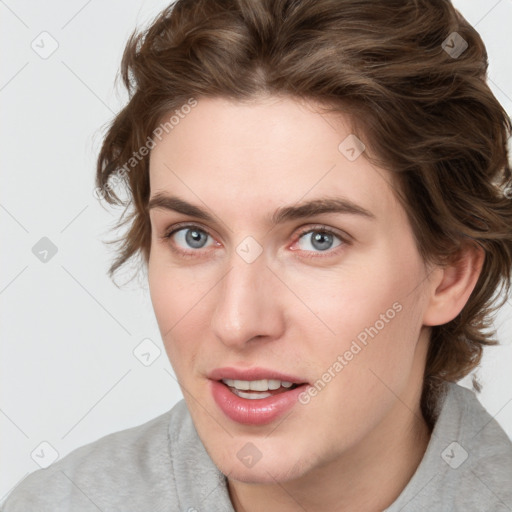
[266,152]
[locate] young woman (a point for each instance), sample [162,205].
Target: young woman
[320,193]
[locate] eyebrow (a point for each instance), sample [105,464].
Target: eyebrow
[281,215]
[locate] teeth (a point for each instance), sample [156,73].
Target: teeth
[256,385]
[251,396]
[274,384]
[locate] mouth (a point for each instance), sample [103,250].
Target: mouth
[258,389]
[254,396]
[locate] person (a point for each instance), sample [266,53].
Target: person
[319,191]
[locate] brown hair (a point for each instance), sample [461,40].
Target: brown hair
[425,111]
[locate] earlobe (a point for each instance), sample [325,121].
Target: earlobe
[451,292]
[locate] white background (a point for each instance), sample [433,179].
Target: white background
[68,373]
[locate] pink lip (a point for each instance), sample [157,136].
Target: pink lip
[252,374]
[253,412]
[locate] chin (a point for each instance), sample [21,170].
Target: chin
[269,472]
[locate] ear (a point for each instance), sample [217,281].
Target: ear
[452,285]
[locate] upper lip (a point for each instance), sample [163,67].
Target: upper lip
[256,373]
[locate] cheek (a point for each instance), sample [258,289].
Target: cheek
[175,291]
[176,303]
[163,296]
[371,313]
[363,368]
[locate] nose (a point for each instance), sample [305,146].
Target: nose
[248,304]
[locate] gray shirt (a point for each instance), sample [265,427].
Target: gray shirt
[163,466]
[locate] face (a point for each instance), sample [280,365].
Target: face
[254,290]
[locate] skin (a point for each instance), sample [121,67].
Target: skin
[357,443]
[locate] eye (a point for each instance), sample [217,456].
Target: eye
[188,237]
[320,238]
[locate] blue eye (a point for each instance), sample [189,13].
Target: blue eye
[189,239]
[191,236]
[320,239]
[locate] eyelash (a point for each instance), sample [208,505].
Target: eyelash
[318,228]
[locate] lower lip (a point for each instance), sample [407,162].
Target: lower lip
[257,411]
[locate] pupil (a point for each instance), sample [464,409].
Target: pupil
[321,239]
[194,238]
